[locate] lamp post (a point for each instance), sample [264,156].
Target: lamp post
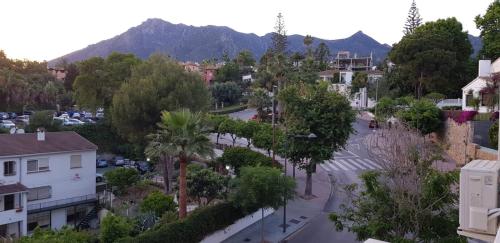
[311,136]
[274,123]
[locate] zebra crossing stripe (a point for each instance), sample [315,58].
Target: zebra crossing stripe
[324,167]
[331,165]
[358,163]
[344,162]
[336,162]
[372,163]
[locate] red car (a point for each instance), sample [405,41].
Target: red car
[373,124]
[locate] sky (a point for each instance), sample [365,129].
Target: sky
[47,29]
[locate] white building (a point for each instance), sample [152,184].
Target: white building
[47,180]
[473,89]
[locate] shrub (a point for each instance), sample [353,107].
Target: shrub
[122,178]
[43,119]
[114,227]
[238,157]
[158,203]
[195,227]
[64,235]
[493,135]
[423,115]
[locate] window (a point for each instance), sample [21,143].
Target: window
[38,165]
[487,99]
[41,220]
[39,193]
[8,202]
[76,161]
[9,168]
[469,98]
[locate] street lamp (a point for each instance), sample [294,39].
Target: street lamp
[311,136]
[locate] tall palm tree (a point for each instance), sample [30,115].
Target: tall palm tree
[186,137]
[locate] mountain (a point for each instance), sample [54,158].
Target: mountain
[189,43]
[477,44]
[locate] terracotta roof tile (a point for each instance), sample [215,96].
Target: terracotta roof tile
[24,144]
[8,189]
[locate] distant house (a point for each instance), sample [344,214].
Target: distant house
[336,76]
[208,73]
[476,88]
[191,66]
[47,180]
[374,75]
[58,73]
[248,78]
[345,61]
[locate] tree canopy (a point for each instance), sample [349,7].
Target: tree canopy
[489,25]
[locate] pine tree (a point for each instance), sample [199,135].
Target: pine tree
[413,21]
[279,36]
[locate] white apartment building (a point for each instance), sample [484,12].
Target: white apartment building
[47,180]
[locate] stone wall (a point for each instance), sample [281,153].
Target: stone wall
[457,139]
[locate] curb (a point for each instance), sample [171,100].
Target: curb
[292,234]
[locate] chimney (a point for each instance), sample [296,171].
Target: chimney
[40,134]
[484,68]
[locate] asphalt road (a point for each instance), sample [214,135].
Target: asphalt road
[352,163]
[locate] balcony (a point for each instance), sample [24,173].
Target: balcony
[11,216]
[62,203]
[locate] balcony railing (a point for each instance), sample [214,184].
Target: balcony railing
[56,203]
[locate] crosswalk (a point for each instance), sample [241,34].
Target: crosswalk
[350,164]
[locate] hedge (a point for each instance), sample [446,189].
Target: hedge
[199,224]
[238,157]
[228,110]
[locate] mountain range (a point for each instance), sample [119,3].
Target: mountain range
[190,43]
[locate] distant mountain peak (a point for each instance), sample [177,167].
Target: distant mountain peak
[191,43]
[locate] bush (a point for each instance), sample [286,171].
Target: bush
[238,157]
[43,119]
[158,203]
[493,135]
[121,178]
[114,227]
[195,227]
[64,235]
[423,115]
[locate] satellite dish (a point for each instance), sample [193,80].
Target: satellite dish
[20,131]
[13,130]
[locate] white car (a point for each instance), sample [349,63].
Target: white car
[7,124]
[64,116]
[76,115]
[72,122]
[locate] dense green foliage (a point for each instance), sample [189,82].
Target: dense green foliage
[360,81]
[65,235]
[156,84]
[489,25]
[195,227]
[43,119]
[493,135]
[422,115]
[384,109]
[158,203]
[114,227]
[205,185]
[121,178]
[227,93]
[433,58]
[238,157]
[261,101]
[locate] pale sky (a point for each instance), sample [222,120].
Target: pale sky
[47,29]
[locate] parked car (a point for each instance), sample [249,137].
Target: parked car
[28,113]
[72,122]
[4,115]
[76,115]
[143,167]
[12,115]
[23,119]
[99,177]
[88,120]
[373,124]
[100,163]
[99,115]
[119,161]
[7,124]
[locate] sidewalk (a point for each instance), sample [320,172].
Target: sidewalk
[298,212]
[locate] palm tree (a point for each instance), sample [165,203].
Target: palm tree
[260,100]
[185,137]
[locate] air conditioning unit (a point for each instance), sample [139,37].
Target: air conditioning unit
[479,197]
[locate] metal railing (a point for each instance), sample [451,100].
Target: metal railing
[60,202]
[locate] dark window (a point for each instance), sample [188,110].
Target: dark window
[9,168]
[39,193]
[8,202]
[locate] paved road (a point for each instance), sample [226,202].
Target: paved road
[244,114]
[344,168]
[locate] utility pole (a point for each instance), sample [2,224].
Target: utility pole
[274,123]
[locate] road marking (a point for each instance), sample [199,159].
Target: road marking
[331,165]
[340,165]
[357,163]
[372,163]
[346,164]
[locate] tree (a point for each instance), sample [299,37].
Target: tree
[384,109]
[322,56]
[434,58]
[313,109]
[413,20]
[156,84]
[263,137]
[114,227]
[261,101]
[279,39]
[423,115]
[230,71]
[121,178]
[493,134]
[63,235]
[215,124]
[490,31]
[245,58]
[263,187]
[158,203]
[407,201]
[228,92]
[44,119]
[238,157]
[205,185]
[308,40]
[230,126]
[360,81]
[435,97]
[247,130]
[188,139]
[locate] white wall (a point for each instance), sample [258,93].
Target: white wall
[476,85]
[65,182]
[58,218]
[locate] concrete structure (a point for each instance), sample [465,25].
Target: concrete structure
[208,73]
[191,66]
[344,61]
[247,78]
[48,181]
[58,73]
[473,89]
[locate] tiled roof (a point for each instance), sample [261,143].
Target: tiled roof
[12,188]
[25,144]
